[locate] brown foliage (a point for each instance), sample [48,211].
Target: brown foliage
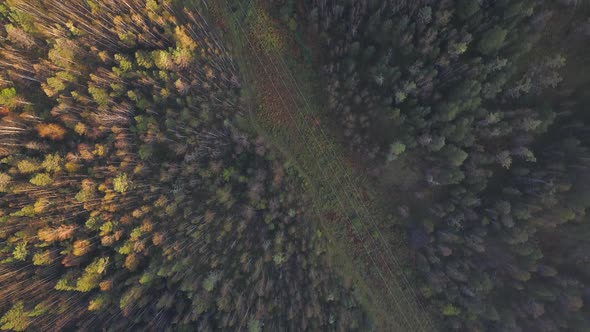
[56,234]
[52,131]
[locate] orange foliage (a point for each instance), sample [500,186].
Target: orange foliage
[157,239]
[51,130]
[131,262]
[85,151]
[126,219]
[106,285]
[56,234]
[139,246]
[146,226]
[87,184]
[81,247]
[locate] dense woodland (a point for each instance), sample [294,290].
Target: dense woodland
[132,199]
[129,200]
[471,97]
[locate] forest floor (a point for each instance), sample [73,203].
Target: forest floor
[284,100]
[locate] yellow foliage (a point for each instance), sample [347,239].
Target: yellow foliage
[81,247]
[99,149]
[209,73]
[27,166]
[5,180]
[160,202]
[42,258]
[183,39]
[72,167]
[95,304]
[40,205]
[109,196]
[80,128]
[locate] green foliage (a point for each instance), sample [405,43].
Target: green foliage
[278,259]
[211,280]
[143,59]
[254,325]
[396,149]
[500,181]
[124,63]
[8,97]
[451,310]
[100,96]
[20,251]
[227,173]
[466,8]
[145,152]
[455,155]
[492,40]
[92,275]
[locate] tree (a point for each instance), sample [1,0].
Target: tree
[211,280]
[27,166]
[466,8]
[81,247]
[92,275]
[425,15]
[396,149]
[254,325]
[162,59]
[8,97]
[41,179]
[52,163]
[492,40]
[52,131]
[20,251]
[5,180]
[120,183]
[504,159]
[42,258]
[16,318]
[455,155]
[100,96]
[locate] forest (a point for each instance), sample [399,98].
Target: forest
[283,165]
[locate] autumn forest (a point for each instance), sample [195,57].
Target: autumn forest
[285,165]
